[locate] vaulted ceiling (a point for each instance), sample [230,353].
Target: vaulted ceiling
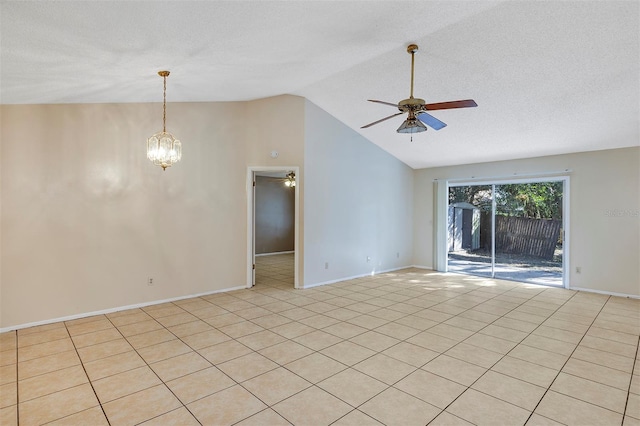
[549,77]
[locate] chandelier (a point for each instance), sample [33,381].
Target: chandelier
[163,149]
[291,180]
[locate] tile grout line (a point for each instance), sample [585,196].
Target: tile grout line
[17,378]
[626,403]
[86,374]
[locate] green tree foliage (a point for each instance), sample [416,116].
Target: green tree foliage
[478,195]
[540,200]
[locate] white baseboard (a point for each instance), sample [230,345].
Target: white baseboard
[608,293]
[120,308]
[369,274]
[422,267]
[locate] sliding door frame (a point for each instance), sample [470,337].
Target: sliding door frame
[442,203]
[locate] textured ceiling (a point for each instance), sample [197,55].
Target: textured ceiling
[549,77]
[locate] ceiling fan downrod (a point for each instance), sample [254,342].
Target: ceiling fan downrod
[412,49]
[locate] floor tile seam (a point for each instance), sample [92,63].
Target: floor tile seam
[469,362]
[241,384]
[17,377]
[291,421]
[543,349]
[129,323]
[606,329]
[596,381]
[356,407]
[93,389]
[465,391]
[503,400]
[307,380]
[19,338]
[361,412]
[585,401]
[617,307]
[617,330]
[358,362]
[94,344]
[635,361]
[143,390]
[611,351]
[101,402]
[600,364]
[151,311]
[83,320]
[49,372]
[345,338]
[65,416]
[622,319]
[564,364]
[185,404]
[451,414]
[42,343]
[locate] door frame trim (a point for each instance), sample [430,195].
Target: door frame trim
[251,173]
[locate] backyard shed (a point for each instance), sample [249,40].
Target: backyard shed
[464,227]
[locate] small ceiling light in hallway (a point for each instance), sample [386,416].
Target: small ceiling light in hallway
[291,180]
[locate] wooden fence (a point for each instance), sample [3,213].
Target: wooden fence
[522,236]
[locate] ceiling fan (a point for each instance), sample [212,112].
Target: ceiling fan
[417,108]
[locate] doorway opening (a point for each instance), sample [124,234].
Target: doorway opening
[272,226]
[509,230]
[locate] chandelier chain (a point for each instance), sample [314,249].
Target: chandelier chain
[164,106]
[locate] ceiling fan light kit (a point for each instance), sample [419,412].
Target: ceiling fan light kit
[416,109]
[412,125]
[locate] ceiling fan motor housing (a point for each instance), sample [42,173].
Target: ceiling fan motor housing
[411,104]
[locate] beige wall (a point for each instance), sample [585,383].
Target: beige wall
[87,219]
[604,206]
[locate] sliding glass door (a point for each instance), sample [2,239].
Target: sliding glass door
[509,230]
[470,235]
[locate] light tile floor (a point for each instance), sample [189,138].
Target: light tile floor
[402,348]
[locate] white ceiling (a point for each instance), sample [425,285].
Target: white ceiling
[549,77]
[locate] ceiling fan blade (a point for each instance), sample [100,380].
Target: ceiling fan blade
[449,105]
[383,102]
[431,121]
[380,121]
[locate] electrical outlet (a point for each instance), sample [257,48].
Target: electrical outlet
[398,255]
[326,265]
[150,282]
[578,269]
[368,259]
